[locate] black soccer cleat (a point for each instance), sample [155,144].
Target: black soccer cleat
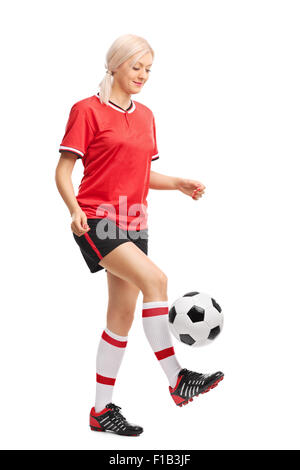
[190,384]
[110,419]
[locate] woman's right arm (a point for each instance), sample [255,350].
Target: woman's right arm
[63,179]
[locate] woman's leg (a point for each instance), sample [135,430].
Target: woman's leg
[131,264]
[120,312]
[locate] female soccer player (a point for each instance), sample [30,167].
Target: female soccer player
[116,139]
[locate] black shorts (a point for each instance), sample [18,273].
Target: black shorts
[102,238]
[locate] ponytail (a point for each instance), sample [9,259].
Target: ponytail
[105,86]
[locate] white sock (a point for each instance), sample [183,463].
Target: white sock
[156,327]
[109,357]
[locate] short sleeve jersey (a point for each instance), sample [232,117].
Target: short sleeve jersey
[117,147]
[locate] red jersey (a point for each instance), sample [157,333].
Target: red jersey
[116,147]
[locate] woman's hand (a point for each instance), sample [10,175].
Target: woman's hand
[79,224]
[192,188]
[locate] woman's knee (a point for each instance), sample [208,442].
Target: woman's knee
[163,280]
[157,282]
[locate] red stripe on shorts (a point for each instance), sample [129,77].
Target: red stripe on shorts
[114,342]
[105,380]
[90,241]
[165,353]
[153,312]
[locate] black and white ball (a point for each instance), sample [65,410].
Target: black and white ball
[195,319]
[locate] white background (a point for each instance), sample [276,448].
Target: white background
[224,89]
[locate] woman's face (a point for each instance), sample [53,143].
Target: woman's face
[132,78]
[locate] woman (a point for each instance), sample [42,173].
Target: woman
[116,139]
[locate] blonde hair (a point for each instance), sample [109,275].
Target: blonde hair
[121,50]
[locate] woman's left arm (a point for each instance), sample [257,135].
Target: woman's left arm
[191,188]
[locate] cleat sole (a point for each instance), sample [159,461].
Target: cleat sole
[96,429]
[103,430]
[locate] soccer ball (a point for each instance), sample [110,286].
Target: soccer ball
[195,319]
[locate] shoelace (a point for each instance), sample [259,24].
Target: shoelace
[191,382]
[190,375]
[116,409]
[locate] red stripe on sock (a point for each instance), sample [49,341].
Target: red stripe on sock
[165,353]
[153,312]
[105,380]
[90,241]
[114,342]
